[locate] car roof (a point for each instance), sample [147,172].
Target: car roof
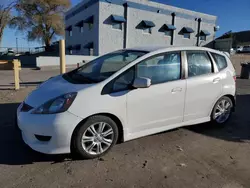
[171,48]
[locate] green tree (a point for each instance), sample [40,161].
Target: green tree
[43,20]
[5,17]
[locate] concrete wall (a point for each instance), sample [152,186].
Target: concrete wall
[179,39]
[107,39]
[136,37]
[55,61]
[179,11]
[87,35]
[110,39]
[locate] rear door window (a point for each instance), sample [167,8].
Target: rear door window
[199,63]
[220,61]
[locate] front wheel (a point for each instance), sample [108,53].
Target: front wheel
[222,111]
[95,137]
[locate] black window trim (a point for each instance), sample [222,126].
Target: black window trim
[107,89]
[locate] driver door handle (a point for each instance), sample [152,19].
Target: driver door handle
[216,80]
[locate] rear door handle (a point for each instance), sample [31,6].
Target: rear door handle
[216,80]
[178,89]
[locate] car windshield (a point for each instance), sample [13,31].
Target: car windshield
[104,66]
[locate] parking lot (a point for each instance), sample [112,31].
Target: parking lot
[197,156]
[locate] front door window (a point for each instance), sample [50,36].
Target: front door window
[161,68]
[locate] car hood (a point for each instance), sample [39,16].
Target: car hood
[52,88]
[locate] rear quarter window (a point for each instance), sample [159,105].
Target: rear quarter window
[220,61]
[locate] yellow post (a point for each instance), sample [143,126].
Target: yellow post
[16,74]
[62,56]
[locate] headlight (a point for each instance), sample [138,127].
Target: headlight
[57,105]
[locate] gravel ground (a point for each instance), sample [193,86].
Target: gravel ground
[198,156]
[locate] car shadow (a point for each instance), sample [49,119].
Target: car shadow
[15,152]
[238,127]
[11,86]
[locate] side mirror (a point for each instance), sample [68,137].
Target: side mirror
[141,82]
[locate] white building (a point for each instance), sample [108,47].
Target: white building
[95,27]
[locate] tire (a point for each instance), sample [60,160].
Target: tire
[226,111]
[96,141]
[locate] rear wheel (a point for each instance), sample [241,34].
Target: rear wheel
[95,137]
[222,111]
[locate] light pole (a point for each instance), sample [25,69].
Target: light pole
[17,45]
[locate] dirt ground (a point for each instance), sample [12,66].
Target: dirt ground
[198,156]
[237,59]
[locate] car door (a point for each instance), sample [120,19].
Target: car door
[203,85]
[162,104]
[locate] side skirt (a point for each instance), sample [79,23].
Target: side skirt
[142,133]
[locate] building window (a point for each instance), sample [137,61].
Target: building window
[90,25]
[203,38]
[186,31]
[70,49]
[70,33]
[78,51]
[91,51]
[89,47]
[117,22]
[69,30]
[77,48]
[89,22]
[117,26]
[186,35]
[204,34]
[168,33]
[147,30]
[146,26]
[81,29]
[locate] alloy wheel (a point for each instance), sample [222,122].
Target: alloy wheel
[97,138]
[222,111]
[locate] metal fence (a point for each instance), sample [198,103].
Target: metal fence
[21,50]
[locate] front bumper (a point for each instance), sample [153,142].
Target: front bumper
[59,127]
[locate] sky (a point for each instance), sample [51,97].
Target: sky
[232,15]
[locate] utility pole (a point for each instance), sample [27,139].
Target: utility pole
[16,45]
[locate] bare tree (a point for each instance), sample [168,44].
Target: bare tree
[43,20]
[5,17]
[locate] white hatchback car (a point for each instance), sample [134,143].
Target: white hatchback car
[125,95]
